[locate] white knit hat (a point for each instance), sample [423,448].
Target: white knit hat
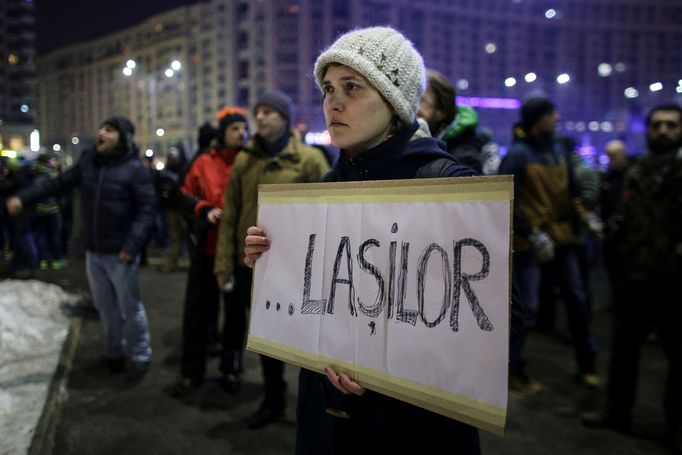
[387,59]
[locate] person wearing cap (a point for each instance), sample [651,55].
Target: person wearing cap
[118,208]
[203,193]
[372,80]
[546,204]
[274,155]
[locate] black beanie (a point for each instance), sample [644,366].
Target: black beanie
[279,101]
[225,121]
[125,129]
[534,109]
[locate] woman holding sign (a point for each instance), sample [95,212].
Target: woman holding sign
[372,80]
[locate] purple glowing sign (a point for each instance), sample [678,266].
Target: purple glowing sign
[489,103]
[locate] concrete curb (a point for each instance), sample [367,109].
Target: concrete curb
[42,442]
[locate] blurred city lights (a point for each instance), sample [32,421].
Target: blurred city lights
[131,64]
[510,82]
[604,69]
[488,103]
[631,92]
[580,126]
[159,166]
[56,147]
[606,127]
[490,48]
[149,153]
[75,140]
[462,84]
[620,67]
[160,132]
[169,72]
[176,65]
[679,89]
[318,137]
[550,13]
[656,86]
[34,140]
[563,78]
[127,71]
[24,108]
[531,77]
[593,126]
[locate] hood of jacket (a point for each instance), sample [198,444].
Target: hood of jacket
[399,157]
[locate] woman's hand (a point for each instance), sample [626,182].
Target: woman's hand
[344,383]
[257,243]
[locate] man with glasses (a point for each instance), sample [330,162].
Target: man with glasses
[648,292]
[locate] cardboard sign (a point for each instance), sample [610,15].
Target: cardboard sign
[403,285]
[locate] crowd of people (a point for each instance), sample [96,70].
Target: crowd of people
[390,119]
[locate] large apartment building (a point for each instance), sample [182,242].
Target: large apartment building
[17,74]
[612,53]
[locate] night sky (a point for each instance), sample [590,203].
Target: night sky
[59,23]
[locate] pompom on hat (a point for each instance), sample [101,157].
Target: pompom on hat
[387,59]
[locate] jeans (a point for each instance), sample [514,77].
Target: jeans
[526,274]
[116,295]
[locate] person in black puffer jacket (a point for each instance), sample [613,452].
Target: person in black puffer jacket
[118,206]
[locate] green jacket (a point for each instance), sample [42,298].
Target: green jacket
[297,163]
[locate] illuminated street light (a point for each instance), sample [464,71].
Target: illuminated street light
[631,92]
[131,64]
[563,78]
[127,71]
[24,108]
[169,72]
[656,86]
[550,13]
[620,67]
[160,132]
[56,147]
[604,69]
[490,48]
[593,126]
[531,77]
[149,153]
[34,140]
[75,140]
[159,166]
[176,65]
[510,82]
[679,89]
[606,127]
[462,84]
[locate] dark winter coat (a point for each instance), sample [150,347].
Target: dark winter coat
[378,423]
[117,200]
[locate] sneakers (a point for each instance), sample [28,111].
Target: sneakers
[521,383]
[57,265]
[43,265]
[183,387]
[590,380]
[606,421]
[232,383]
[265,415]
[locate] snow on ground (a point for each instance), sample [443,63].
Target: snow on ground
[34,323]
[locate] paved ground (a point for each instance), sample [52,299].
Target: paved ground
[107,415]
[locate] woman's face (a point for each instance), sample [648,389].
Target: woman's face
[358,118]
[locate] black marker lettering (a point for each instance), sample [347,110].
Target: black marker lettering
[421,278]
[310,306]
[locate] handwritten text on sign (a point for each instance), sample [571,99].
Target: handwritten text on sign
[405,288]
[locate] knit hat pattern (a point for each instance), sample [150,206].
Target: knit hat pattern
[387,59]
[279,101]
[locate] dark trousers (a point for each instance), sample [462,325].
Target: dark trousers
[234,332]
[636,308]
[47,231]
[201,298]
[526,274]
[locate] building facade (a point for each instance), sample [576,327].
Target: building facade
[17,74]
[231,50]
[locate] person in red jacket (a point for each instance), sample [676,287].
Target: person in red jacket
[203,191]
